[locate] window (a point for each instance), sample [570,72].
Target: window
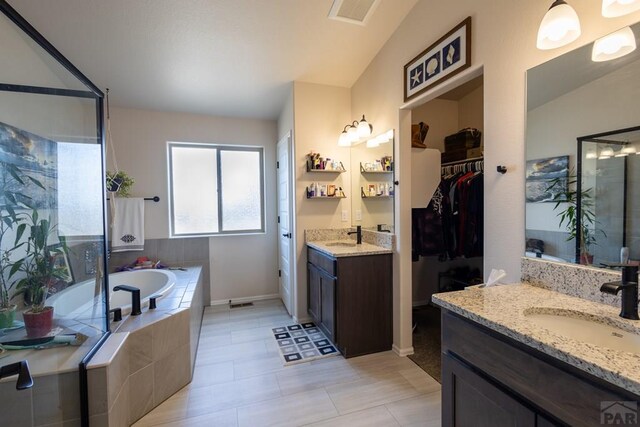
[216,189]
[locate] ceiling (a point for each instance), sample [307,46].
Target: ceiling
[231,58]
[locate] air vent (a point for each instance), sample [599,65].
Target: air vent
[241,304]
[353,11]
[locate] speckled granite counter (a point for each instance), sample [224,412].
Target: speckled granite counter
[337,243]
[345,251]
[502,308]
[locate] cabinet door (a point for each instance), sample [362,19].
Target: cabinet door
[470,400]
[313,293]
[328,305]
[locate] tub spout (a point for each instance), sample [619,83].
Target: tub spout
[135,298]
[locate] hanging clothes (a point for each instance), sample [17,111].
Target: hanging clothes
[452,225]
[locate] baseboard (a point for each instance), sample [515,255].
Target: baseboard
[306,319]
[245,299]
[402,352]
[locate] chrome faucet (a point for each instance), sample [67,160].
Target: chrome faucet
[629,287]
[135,298]
[358,234]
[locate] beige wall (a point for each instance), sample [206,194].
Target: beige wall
[504,37]
[241,266]
[320,114]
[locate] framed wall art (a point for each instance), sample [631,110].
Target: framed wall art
[442,60]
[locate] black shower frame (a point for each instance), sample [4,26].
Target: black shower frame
[93,93]
[597,138]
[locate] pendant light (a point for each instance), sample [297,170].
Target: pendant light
[615,8]
[614,45]
[560,26]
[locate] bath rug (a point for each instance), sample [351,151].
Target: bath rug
[302,342]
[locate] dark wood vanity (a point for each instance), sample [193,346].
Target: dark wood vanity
[489,379]
[350,298]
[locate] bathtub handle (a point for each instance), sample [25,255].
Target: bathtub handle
[152,301]
[117,314]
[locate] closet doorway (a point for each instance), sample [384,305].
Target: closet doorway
[447,210]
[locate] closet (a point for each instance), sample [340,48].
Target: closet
[447,209]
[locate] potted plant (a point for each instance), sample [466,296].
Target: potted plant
[11,180]
[120,183]
[40,273]
[566,196]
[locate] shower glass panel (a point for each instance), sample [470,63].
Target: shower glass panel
[53,300]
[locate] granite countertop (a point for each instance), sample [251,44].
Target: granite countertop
[503,308]
[347,251]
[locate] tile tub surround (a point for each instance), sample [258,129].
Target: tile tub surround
[373,243]
[570,279]
[149,357]
[502,308]
[186,252]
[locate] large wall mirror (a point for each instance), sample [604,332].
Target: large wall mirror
[583,167]
[372,177]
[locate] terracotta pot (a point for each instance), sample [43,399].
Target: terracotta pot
[586,259]
[38,324]
[7,317]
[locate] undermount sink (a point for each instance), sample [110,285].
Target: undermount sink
[586,329]
[343,244]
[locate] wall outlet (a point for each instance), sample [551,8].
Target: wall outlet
[358,215]
[345,216]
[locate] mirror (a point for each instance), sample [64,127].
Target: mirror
[372,177]
[582,126]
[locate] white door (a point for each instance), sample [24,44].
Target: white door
[285,222]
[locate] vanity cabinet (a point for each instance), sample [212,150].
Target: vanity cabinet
[350,298]
[489,379]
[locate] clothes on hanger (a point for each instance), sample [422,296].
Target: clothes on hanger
[452,225]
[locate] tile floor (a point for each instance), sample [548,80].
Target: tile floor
[240,380]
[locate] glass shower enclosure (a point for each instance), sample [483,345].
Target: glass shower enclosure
[53,290]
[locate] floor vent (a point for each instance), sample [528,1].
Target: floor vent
[241,304]
[353,11]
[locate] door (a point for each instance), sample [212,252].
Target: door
[285,222]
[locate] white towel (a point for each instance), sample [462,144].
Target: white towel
[127,233]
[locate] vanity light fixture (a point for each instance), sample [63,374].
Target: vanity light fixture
[383,138]
[354,133]
[606,153]
[614,45]
[629,149]
[592,154]
[615,8]
[560,26]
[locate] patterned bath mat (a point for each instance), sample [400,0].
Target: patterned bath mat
[302,343]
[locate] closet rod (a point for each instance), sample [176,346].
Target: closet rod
[458,162]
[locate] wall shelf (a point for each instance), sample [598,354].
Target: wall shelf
[325,170]
[362,170]
[364,195]
[323,197]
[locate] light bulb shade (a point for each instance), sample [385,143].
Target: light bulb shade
[606,152]
[614,45]
[560,26]
[344,140]
[615,8]
[364,128]
[352,133]
[372,143]
[592,154]
[630,149]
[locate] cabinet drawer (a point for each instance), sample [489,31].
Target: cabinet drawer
[557,388]
[322,261]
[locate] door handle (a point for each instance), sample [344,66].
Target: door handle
[286,235]
[21,369]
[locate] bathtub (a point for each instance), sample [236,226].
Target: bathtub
[544,257]
[79,299]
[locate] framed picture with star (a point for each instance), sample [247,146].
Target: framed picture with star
[442,60]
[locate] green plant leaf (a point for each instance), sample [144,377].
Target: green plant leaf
[20,232]
[36,182]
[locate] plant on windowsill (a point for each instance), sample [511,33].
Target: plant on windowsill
[120,183]
[567,196]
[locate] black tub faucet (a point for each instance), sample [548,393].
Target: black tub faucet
[629,287]
[21,369]
[358,234]
[135,298]
[382,230]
